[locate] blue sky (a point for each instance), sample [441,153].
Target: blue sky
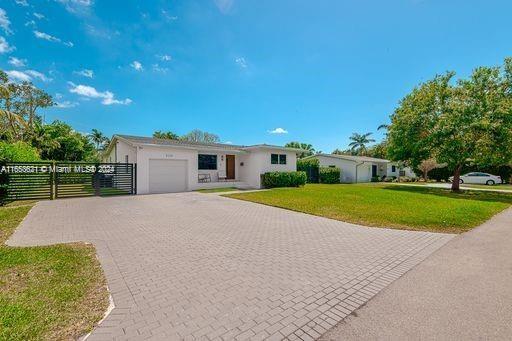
[319,70]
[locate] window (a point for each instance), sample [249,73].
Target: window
[278,159]
[393,169]
[402,173]
[282,159]
[274,159]
[126,159]
[207,161]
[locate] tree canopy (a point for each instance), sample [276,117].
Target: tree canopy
[169,135]
[197,135]
[456,122]
[308,148]
[359,142]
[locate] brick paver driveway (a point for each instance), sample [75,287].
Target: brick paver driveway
[198,266]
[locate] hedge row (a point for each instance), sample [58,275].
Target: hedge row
[330,175]
[283,179]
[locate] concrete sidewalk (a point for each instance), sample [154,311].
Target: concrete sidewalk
[462,292]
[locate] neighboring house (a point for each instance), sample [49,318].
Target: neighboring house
[361,168]
[165,166]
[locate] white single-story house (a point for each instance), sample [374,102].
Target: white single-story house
[165,166]
[361,168]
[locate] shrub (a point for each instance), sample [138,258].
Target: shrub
[375,179]
[330,175]
[311,167]
[18,152]
[283,179]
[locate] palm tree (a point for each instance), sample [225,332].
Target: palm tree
[97,137]
[359,142]
[383,126]
[169,135]
[308,148]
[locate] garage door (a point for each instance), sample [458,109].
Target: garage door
[167,176]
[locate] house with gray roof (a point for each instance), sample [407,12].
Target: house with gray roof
[362,168]
[166,166]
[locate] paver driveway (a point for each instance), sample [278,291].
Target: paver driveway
[197,266]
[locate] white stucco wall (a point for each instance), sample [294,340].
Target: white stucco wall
[258,161]
[119,152]
[347,167]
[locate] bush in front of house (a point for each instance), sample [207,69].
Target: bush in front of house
[330,175]
[311,167]
[283,179]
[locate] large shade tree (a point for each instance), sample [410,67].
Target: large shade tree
[457,123]
[168,135]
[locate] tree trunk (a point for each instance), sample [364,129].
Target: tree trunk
[456,179]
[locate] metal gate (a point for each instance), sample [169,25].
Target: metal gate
[94,179]
[26,181]
[49,180]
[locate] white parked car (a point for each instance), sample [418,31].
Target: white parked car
[479,178]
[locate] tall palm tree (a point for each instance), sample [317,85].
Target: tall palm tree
[359,142]
[97,137]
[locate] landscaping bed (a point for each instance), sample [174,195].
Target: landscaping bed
[47,293]
[395,206]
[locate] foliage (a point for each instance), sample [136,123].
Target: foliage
[100,140]
[17,152]
[308,148]
[359,142]
[168,135]
[330,175]
[467,122]
[19,103]
[378,150]
[426,166]
[310,167]
[283,179]
[197,135]
[385,205]
[59,142]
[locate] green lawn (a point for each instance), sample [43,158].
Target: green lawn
[218,190]
[47,293]
[404,207]
[507,187]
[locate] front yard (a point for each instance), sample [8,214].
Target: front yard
[47,293]
[381,205]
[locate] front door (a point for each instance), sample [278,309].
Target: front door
[374,170]
[230,167]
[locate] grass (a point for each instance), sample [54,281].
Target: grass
[47,293]
[507,187]
[381,205]
[218,190]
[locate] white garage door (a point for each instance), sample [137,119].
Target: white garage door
[167,176]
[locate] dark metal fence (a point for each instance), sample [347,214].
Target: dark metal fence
[27,181]
[44,180]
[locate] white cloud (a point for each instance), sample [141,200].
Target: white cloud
[4,46]
[278,131]
[48,37]
[30,23]
[18,76]
[17,62]
[137,65]
[66,104]
[27,75]
[224,6]
[85,72]
[168,16]
[4,21]
[228,142]
[38,15]
[107,97]
[76,6]
[241,62]
[164,57]
[37,74]
[23,3]
[158,68]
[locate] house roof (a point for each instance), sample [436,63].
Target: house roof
[354,158]
[141,140]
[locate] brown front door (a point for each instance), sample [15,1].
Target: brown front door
[230,166]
